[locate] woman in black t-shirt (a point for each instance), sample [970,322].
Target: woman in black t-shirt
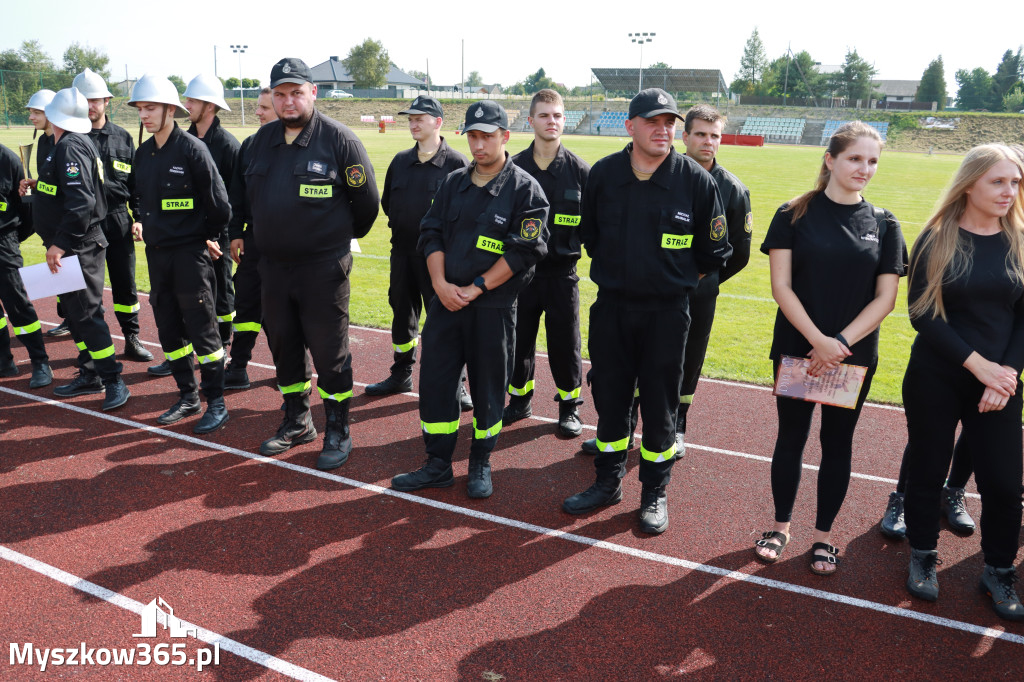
[835,267]
[966,301]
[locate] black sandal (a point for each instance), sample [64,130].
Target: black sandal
[773,540]
[828,558]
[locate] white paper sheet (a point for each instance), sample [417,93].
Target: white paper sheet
[41,283]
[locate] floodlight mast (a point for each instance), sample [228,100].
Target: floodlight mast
[641,38]
[240,50]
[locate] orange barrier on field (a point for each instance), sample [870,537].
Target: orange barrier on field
[744,140]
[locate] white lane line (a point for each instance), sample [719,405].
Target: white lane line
[553,533]
[227,644]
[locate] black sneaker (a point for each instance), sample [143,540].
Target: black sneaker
[892,525]
[519,407]
[161,370]
[998,584]
[955,508]
[236,378]
[393,384]
[117,394]
[653,510]
[435,473]
[85,383]
[61,329]
[922,581]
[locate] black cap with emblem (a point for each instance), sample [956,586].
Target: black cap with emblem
[290,70]
[485,115]
[424,105]
[651,102]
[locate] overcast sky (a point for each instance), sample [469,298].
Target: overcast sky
[566,39]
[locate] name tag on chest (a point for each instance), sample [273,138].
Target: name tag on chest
[676,241]
[316,191]
[488,244]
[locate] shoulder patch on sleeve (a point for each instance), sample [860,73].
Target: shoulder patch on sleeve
[530,228]
[717,228]
[355,176]
[748,222]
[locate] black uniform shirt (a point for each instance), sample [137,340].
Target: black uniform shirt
[311,197]
[43,148]
[650,240]
[476,226]
[240,213]
[12,210]
[738,218]
[181,196]
[117,154]
[837,257]
[410,186]
[223,148]
[68,202]
[563,183]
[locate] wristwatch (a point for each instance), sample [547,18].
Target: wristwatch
[480,284]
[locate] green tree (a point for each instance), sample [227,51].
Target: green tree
[421,75]
[853,81]
[474,80]
[34,57]
[78,58]
[659,65]
[752,64]
[537,81]
[1014,100]
[933,84]
[250,82]
[368,64]
[1006,78]
[231,83]
[974,89]
[783,76]
[178,83]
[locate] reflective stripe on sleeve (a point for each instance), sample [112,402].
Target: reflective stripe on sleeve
[182,352]
[3,322]
[337,397]
[486,433]
[226,318]
[440,428]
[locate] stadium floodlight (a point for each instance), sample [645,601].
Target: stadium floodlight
[641,38]
[240,50]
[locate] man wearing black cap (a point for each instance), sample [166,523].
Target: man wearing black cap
[311,189]
[409,186]
[482,236]
[653,225]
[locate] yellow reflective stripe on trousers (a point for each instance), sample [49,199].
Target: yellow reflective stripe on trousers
[28,328]
[527,387]
[3,205]
[488,433]
[636,392]
[212,357]
[182,352]
[80,345]
[3,322]
[253,327]
[440,428]
[226,318]
[568,395]
[134,308]
[686,399]
[405,347]
[300,387]
[337,397]
[100,354]
[657,456]
[613,446]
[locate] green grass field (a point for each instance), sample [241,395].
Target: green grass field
[907,184]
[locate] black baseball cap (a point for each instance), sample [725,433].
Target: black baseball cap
[651,102]
[485,115]
[424,105]
[290,70]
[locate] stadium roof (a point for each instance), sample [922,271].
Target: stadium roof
[670,80]
[333,71]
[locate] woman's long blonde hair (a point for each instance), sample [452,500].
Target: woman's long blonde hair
[948,257]
[845,135]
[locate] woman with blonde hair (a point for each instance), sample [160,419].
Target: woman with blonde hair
[966,301]
[835,265]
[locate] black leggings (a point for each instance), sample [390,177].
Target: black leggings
[837,426]
[959,471]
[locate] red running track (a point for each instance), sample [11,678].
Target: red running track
[299,574]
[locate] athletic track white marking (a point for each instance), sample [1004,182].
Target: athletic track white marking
[899,612]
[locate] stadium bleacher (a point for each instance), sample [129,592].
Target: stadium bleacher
[830,127]
[778,130]
[611,123]
[572,120]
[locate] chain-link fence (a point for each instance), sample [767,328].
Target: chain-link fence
[16,87]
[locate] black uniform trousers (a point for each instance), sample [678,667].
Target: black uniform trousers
[117,228]
[224,290]
[409,292]
[84,311]
[637,344]
[182,299]
[481,339]
[248,304]
[307,307]
[558,299]
[17,313]
[936,395]
[959,471]
[702,316]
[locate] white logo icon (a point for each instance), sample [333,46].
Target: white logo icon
[479,113]
[286,69]
[662,100]
[153,614]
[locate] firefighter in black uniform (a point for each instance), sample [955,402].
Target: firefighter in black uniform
[248,286]
[554,290]
[117,154]
[183,207]
[15,226]
[482,236]
[68,211]
[653,224]
[311,189]
[702,134]
[409,187]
